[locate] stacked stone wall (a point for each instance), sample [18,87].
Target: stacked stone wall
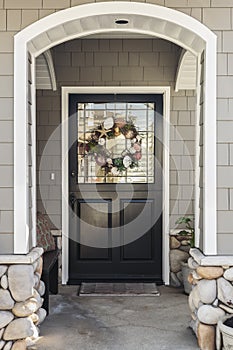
[211,297]
[179,253]
[21,291]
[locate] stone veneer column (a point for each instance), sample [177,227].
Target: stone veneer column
[211,297]
[21,291]
[179,253]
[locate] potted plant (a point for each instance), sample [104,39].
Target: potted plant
[224,335]
[189,233]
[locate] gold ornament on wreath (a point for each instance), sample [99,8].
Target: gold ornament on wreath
[110,129]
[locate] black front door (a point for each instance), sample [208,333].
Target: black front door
[115,186]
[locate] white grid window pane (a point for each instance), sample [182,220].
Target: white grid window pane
[98,142]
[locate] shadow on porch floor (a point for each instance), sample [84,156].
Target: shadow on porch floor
[117,323]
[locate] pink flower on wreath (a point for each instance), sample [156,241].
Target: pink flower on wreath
[120,122]
[137,147]
[100,160]
[137,155]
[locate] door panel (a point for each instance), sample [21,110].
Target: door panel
[96,214]
[115,226]
[142,247]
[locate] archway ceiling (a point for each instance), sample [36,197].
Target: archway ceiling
[105,24]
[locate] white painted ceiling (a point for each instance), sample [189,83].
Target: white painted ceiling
[139,26]
[104,25]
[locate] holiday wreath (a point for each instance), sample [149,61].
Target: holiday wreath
[110,129]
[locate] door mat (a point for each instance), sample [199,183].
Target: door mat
[118,289]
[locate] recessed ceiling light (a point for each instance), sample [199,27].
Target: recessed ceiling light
[121,21]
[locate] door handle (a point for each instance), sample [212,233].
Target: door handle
[73,173]
[73,200]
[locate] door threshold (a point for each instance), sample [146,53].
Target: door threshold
[78,281]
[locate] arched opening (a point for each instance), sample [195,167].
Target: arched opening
[100,19]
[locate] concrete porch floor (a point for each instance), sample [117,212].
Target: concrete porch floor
[117,323]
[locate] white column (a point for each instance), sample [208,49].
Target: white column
[21,229]
[209,176]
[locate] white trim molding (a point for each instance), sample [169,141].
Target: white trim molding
[21,204]
[197,155]
[165,91]
[209,154]
[96,18]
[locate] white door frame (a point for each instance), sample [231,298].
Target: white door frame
[165,91]
[96,18]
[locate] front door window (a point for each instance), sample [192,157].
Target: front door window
[115,142]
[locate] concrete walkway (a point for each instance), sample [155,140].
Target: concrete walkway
[117,323]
